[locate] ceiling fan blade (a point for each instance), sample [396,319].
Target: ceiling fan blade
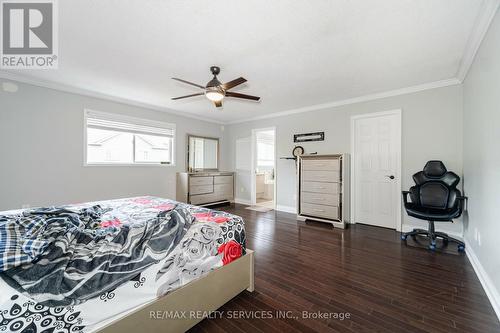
[187,82]
[192,95]
[234,83]
[244,96]
[218,104]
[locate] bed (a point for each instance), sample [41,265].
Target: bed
[143,263]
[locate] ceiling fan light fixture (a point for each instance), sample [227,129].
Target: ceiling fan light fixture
[215,95]
[215,91]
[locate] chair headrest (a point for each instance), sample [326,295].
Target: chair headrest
[434,169]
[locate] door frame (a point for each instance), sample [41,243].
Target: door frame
[398,113]
[253,188]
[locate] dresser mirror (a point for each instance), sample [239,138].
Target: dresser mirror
[203,154]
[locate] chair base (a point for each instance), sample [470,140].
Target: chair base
[432,235]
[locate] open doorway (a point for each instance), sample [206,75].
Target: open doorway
[264,167]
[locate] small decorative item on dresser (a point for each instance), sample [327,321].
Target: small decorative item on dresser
[323,188]
[297,151]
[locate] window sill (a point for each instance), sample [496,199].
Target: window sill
[128,165]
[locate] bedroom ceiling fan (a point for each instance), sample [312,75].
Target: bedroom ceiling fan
[215,91]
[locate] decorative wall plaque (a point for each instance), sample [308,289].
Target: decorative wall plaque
[305,137]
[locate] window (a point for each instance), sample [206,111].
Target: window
[265,154]
[116,139]
[265,150]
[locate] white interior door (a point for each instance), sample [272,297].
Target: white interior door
[376,141]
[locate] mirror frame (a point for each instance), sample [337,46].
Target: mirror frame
[189,136]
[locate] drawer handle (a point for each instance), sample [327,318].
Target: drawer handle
[319,210]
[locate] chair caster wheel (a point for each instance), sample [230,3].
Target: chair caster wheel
[403,237]
[432,247]
[461,248]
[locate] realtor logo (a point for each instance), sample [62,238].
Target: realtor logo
[29,34]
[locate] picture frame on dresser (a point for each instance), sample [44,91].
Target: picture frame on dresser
[323,191]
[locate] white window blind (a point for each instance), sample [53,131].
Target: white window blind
[128,124]
[118,139]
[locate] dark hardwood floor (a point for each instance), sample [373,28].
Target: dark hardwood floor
[365,271]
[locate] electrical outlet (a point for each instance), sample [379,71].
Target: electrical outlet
[242,189]
[478,238]
[25,206]
[475,234]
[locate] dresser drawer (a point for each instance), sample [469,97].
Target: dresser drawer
[223,179]
[316,187]
[320,176]
[209,180]
[224,190]
[321,165]
[321,198]
[200,189]
[328,212]
[204,198]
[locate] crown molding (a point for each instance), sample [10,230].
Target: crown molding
[483,21]
[90,93]
[359,99]
[95,94]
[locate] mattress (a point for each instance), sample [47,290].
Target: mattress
[79,267]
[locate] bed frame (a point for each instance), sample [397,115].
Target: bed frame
[207,294]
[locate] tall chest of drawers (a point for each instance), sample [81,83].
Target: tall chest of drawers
[323,188]
[205,188]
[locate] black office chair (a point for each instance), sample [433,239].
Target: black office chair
[434,198]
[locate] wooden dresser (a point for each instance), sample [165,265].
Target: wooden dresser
[323,188]
[205,188]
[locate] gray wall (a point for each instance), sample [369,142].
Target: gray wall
[41,131]
[482,158]
[41,150]
[432,129]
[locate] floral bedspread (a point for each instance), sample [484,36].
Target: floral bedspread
[79,266]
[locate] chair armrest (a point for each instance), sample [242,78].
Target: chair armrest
[462,201]
[405,196]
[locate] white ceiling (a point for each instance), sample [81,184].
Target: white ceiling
[294,54]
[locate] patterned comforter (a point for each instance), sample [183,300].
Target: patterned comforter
[73,268]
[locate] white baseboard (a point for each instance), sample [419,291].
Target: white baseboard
[281,208]
[286,209]
[409,227]
[486,282]
[242,201]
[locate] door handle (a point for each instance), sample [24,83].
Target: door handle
[390,176]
